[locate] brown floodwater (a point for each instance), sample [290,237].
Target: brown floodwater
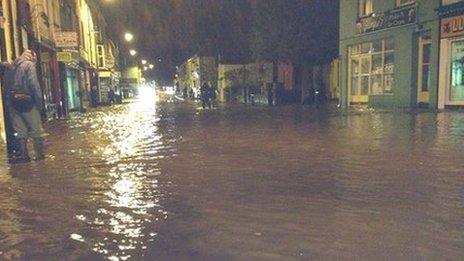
[167,180]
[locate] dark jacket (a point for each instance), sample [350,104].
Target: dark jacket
[6,70]
[25,79]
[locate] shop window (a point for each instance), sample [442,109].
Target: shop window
[426,64]
[456,92]
[365,8]
[404,2]
[372,68]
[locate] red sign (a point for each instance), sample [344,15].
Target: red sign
[452,26]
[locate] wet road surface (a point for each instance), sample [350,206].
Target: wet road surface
[169,181]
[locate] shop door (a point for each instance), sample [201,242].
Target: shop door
[455,93]
[424,69]
[72,84]
[360,79]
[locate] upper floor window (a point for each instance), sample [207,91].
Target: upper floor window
[365,8]
[404,2]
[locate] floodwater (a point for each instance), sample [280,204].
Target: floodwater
[170,181]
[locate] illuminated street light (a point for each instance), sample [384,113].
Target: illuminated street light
[144,62]
[133,52]
[151,66]
[129,37]
[145,68]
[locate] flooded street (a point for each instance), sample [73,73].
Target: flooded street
[170,181]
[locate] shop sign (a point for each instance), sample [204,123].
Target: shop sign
[66,39]
[390,19]
[64,57]
[452,26]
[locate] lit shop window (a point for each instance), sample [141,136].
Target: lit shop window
[371,68]
[404,2]
[457,71]
[365,8]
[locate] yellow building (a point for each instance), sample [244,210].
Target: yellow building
[86,13]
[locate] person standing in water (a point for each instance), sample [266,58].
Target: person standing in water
[24,101]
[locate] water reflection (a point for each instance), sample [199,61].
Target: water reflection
[134,197]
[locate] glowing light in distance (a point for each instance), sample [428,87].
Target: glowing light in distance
[129,37]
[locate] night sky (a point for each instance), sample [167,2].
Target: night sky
[170,31]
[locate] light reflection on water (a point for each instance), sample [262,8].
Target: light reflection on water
[110,185]
[134,187]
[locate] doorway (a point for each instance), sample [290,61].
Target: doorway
[360,79]
[424,70]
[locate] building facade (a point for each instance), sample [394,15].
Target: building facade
[389,53]
[451,66]
[196,71]
[237,82]
[67,42]
[46,22]
[254,82]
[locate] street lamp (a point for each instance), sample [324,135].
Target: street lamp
[144,62]
[132,52]
[129,37]
[151,66]
[145,68]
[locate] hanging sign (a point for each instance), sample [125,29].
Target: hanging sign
[64,57]
[66,39]
[452,26]
[389,19]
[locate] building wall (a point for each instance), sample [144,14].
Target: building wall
[196,71]
[46,20]
[405,39]
[208,70]
[87,33]
[285,75]
[236,80]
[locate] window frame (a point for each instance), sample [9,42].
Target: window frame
[362,7]
[355,53]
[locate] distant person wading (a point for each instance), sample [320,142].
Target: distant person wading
[24,100]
